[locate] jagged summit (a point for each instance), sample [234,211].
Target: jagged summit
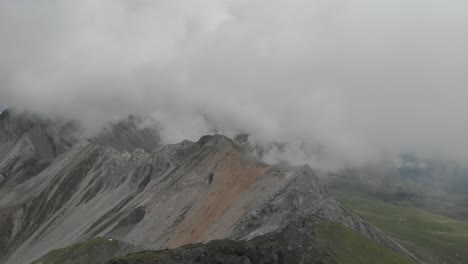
[216,139]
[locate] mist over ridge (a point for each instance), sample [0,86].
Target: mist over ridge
[339,83]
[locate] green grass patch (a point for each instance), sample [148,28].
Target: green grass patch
[349,247]
[433,238]
[146,256]
[96,250]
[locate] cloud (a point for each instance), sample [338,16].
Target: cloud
[343,83]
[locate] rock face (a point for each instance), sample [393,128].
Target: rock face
[176,195]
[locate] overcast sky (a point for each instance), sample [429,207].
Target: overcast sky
[351,80]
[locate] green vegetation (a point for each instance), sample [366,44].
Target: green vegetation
[324,242]
[349,247]
[433,238]
[314,241]
[96,250]
[147,257]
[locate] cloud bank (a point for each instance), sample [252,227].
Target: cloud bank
[341,82]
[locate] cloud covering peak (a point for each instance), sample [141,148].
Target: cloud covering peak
[343,82]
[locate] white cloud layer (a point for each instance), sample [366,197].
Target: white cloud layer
[345,82]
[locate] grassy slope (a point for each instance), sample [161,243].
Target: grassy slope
[331,243]
[96,250]
[328,241]
[349,247]
[433,238]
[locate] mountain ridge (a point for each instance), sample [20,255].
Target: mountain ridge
[178,194]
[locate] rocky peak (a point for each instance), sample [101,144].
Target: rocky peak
[215,140]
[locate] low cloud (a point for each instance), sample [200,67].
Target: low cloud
[342,83]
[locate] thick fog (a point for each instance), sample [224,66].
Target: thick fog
[340,82]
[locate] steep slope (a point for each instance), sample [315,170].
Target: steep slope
[177,195]
[28,144]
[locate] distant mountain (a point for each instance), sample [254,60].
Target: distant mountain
[140,195]
[29,143]
[129,134]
